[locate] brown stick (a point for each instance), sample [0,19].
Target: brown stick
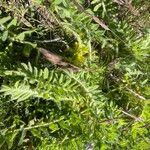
[57,60]
[94,18]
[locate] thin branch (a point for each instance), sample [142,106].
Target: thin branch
[37,126]
[131,116]
[136,94]
[49,41]
[94,18]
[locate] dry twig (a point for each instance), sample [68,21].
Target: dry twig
[57,60]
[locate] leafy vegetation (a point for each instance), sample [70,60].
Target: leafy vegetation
[74,75]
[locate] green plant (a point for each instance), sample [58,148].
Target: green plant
[102,104]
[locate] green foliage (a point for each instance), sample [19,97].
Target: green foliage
[104,105]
